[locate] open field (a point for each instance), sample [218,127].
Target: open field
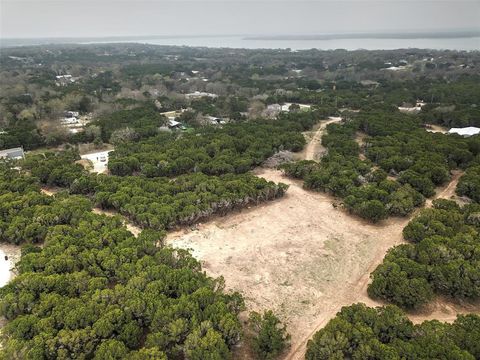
[297,255]
[300,256]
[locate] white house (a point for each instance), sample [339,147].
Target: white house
[70,114]
[172,123]
[62,80]
[200,94]
[69,121]
[466,131]
[286,106]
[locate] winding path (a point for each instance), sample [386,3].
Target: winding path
[314,148]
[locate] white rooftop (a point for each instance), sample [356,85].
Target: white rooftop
[466,131]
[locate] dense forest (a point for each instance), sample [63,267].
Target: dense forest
[403,164]
[359,332]
[160,202]
[235,148]
[442,258]
[94,291]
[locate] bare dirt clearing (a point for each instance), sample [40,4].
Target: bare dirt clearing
[298,255]
[436,129]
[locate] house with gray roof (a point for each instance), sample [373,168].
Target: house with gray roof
[12,154]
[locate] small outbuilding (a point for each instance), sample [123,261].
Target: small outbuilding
[12,154]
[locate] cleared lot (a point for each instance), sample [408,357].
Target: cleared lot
[298,256]
[99,160]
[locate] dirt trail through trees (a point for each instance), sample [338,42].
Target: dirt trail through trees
[314,148]
[297,255]
[135,230]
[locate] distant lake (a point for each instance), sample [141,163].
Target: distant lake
[460,43]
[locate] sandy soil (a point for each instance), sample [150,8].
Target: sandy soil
[50,191]
[436,129]
[99,160]
[298,256]
[314,149]
[360,140]
[9,255]
[447,191]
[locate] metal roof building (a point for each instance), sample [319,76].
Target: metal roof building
[12,154]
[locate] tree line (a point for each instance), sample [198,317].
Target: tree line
[158,203]
[234,148]
[95,291]
[403,164]
[442,258]
[360,332]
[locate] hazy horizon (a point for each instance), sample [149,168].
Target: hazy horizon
[24,19]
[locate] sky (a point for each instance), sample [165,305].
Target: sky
[102,18]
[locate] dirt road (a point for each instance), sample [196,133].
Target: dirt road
[298,255]
[448,191]
[314,148]
[135,230]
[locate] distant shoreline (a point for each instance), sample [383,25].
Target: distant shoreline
[333,36]
[466,40]
[409,35]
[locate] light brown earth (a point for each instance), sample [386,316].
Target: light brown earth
[436,129]
[300,256]
[360,140]
[314,149]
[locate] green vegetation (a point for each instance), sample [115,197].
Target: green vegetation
[159,203]
[442,259]
[95,291]
[366,191]
[235,148]
[469,184]
[142,121]
[270,337]
[416,160]
[359,332]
